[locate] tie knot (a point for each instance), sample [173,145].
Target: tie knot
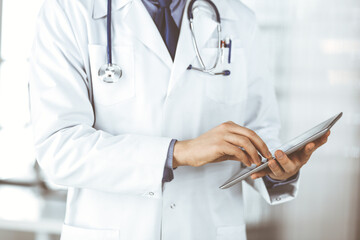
[164,3]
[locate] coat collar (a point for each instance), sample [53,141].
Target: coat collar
[225,8]
[100,7]
[149,36]
[137,21]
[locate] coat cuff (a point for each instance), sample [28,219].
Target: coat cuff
[168,174]
[272,183]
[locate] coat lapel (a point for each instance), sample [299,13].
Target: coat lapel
[100,7]
[205,26]
[140,24]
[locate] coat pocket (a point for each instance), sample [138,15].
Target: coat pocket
[230,89]
[231,233]
[112,93]
[76,233]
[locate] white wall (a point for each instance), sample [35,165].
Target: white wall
[314,52]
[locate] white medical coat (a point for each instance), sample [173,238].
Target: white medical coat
[108,142]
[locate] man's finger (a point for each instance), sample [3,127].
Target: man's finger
[254,138]
[229,149]
[275,168]
[230,157]
[261,173]
[246,144]
[303,155]
[309,149]
[321,141]
[286,164]
[317,143]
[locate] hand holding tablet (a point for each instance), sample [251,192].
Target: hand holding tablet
[288,148]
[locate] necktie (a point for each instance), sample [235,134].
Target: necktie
[167,26]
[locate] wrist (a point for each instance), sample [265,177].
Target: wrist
[274,178]
[179,149]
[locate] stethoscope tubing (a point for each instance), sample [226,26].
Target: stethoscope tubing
[190,14]
[203,68]
[108,26]
[110,72]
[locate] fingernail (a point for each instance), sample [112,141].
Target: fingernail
[279,154]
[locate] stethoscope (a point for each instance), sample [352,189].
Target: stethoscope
[111,72]
[203,68]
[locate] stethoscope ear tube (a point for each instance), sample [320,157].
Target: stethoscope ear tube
[190,14]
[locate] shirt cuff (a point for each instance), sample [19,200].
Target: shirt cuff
[168,174]
[272,183]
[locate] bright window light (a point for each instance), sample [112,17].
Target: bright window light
[17,31]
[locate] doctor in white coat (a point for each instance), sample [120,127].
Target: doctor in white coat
[110,143]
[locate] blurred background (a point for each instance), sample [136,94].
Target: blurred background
[313,51]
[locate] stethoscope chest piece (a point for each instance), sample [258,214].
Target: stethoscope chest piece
[110,73]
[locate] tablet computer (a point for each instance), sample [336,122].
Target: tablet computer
[288,148]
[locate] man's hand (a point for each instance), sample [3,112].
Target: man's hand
[287,166]
[219,144]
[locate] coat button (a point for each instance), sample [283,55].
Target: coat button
[151,193]
[172,206]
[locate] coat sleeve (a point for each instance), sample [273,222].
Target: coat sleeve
[70,151]
[262,116]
